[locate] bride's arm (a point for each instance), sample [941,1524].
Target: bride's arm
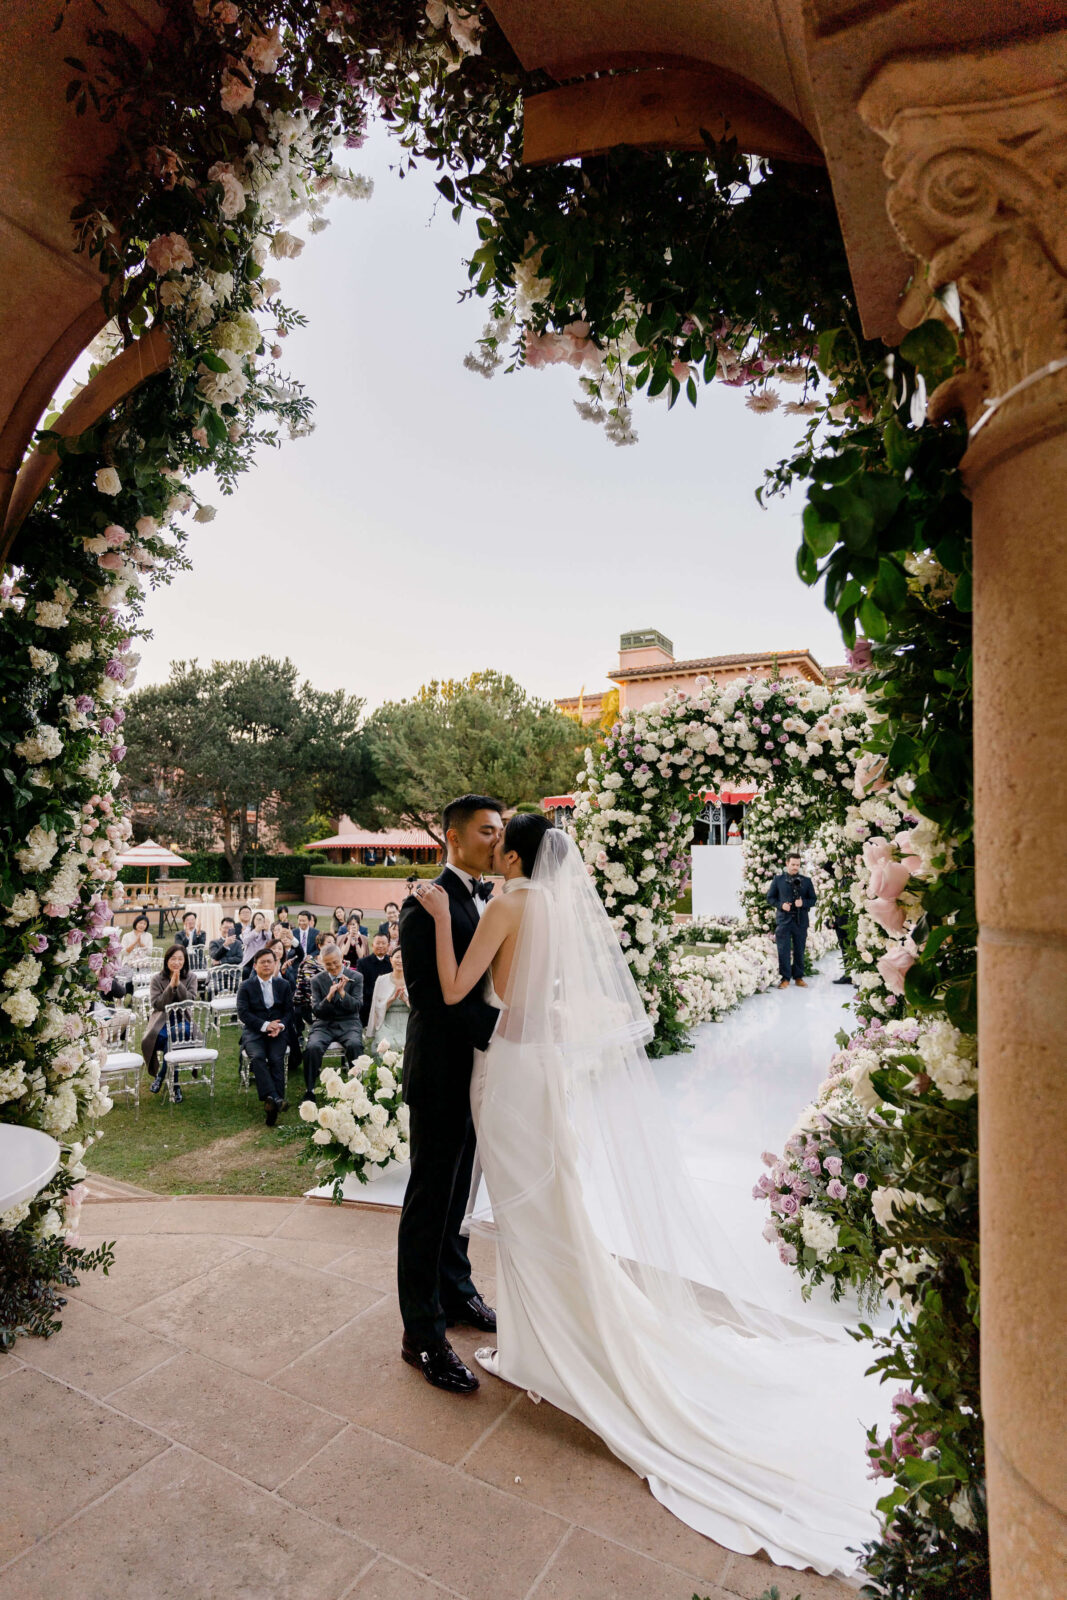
[457,981]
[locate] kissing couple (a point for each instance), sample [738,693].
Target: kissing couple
[619,1298]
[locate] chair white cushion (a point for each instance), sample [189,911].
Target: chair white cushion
[224,1002]
[122,1061]
[193,1055]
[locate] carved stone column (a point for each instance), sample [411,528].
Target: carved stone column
[977,164]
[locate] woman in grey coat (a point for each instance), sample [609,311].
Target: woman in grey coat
[172,984]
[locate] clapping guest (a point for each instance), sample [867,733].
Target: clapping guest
[340,921]
[371,968]
[136,941]
[244,921]
[256,939]
[390,1008]
[353,943]
[308,969]
[172,984]
[189,935]
[227,950]
[337,1003]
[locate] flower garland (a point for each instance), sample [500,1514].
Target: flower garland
[638,796]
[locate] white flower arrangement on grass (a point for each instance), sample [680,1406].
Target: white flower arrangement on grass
[357,1120]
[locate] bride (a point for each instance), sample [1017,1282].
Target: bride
[618,1299]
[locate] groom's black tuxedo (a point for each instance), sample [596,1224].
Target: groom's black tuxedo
[433,1267]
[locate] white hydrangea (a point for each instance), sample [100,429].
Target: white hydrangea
[43,744]
[21,1006]
[819,1232]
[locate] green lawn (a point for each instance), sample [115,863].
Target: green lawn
[205,1145]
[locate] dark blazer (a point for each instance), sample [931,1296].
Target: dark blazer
[342,1008]
[312,937]
[182,938]
[253,1013]
[370,969]
[233,957]
[383,927]
[784,888]
[441,1040]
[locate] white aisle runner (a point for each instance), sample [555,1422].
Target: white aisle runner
[737,1093]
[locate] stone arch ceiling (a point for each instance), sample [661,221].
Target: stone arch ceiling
[50,307]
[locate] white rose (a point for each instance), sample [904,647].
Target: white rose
[322,1136]
[309,1111]
[108,481]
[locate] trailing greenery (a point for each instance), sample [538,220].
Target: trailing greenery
[38,1259]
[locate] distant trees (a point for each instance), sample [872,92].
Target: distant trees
[482,733]
[215,747]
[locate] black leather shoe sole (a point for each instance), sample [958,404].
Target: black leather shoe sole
[272,1113]
[451,1382]
[470,1319]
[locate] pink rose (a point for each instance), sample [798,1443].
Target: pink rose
[227,13]
[905,842]
[234,198]
[869,779]
[169,252]
[111,562]
[889,915]
[264,51]
[147,527]
[875,852]
[894,966]
[200,435]
[888,880]
[237,93]
[859,657]
[836,1189]
[115,535]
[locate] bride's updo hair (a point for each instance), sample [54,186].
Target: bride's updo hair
[523,834]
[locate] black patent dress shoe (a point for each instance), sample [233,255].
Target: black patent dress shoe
[843,979]
[178,1096]
[472,1313]
[440,1365]
[157,1083]
[273,1107]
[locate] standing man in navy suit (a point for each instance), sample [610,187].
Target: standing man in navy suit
[792,895]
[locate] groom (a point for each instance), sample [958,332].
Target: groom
[433,1267]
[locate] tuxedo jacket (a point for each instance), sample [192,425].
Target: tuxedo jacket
[441,1040]
[310,935]
[252,1011]
[784,889]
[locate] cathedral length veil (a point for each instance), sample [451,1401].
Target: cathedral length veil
[619,1298]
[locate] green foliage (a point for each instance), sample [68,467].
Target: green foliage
[350,870]
[35,1267]
[216,750]
[485,735]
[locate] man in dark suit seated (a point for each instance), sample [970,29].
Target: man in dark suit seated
[306,936]
[792,895]
[189,934]
[336,1001]
[371,969]
[226,950]
[391,926]
[265,1009]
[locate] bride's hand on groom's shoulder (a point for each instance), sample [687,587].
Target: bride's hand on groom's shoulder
[433,899]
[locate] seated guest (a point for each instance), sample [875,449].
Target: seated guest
[281,914]
[353,942]
[174,983]
[136,941]
[390,1008]
[306,937]
[336,1003]
[265,1010]
[290,955]
[371,968]
[391,926]
[340,920]
[244,921]
[189,934]
[256,939]
[227,950]
[308,969]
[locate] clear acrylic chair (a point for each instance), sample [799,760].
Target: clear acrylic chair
[121,1071]
[223,984]
[244,1067]
[188,1022]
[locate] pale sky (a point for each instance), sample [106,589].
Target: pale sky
[437,522]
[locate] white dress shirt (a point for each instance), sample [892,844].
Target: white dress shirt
[468,881]
[267,985]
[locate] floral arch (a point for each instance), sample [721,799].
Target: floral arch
[639,796]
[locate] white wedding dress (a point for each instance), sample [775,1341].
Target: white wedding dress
[616,1301]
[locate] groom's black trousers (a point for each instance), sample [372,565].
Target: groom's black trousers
[433,1267]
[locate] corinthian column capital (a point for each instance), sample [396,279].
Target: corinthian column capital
[977,166]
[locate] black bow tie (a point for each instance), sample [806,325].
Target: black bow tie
[482,890]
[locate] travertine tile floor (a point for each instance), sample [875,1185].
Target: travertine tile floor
[226,1415]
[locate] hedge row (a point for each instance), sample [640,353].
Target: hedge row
[354,870]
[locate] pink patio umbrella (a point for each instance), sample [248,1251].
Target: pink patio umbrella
[150,854]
